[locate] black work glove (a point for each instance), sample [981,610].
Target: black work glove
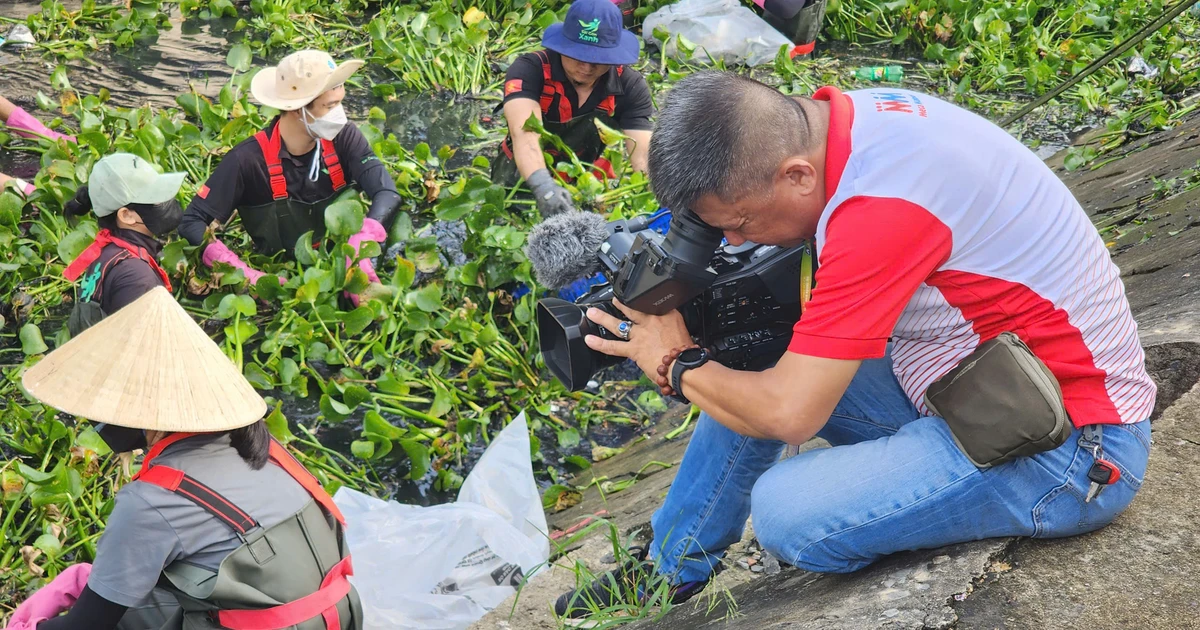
[551,198]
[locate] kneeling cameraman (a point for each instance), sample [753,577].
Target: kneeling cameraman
[967,338]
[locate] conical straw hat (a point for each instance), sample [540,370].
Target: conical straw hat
[147,366]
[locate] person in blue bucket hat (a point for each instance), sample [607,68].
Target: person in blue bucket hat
[581,76]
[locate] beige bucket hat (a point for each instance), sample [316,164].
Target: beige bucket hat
[147,366]
[299,78]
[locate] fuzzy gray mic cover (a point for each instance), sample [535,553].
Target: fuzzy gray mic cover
[564,248]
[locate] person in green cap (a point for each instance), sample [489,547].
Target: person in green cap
[583,75]
[135,206]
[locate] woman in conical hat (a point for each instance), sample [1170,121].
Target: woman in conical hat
[220,516]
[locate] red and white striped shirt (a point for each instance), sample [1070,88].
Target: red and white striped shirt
[941,231]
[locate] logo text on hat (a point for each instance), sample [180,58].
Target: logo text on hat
[588,32]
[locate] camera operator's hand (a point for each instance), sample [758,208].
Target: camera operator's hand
[651,337]
[551,198]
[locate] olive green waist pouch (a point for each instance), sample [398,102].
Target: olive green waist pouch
[1001,402]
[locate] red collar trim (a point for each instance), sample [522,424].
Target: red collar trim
[837,148]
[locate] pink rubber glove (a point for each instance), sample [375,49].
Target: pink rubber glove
[372,230]
[217,252]
[21,119]
[52,599]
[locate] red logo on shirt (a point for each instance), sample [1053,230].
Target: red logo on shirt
[899,102]
[203,192]
[512,85]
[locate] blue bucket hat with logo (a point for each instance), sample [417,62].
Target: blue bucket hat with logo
[593,32]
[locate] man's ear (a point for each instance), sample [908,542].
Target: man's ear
[801,174]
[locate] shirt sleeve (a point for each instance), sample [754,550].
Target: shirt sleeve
[127,281]
[360,162]
[215,200]
[876,254]
[637,106]
[137,544]
[524,79]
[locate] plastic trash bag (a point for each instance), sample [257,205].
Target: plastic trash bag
[724,28]
[443,567]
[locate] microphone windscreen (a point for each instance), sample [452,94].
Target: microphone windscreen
[564,248]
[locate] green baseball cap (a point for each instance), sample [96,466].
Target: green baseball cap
[120,179]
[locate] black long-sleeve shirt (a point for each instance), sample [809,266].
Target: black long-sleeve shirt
[131,278]
[242,180]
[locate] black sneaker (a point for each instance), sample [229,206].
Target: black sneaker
[635,581]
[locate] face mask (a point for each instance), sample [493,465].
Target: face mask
[327,126]
[121,439]
[161,219]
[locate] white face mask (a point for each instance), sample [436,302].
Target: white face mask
[327,126]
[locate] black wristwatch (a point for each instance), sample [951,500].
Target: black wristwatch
[688,360]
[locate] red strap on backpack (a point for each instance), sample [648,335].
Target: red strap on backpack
[104,238]
[270,146]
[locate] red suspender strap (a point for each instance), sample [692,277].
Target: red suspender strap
[609,104]
[331,163]
[158,448]
[333,589]
[284,460]
[550,87]
[176,481]
[270,150]
[103,238]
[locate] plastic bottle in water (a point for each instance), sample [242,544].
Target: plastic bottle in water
[894,74]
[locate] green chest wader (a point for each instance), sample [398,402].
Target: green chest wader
[290,576]
[577,132]
[106,252]
[276,226]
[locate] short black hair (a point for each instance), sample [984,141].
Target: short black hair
[722,134]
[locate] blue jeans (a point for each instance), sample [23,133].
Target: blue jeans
[894,480]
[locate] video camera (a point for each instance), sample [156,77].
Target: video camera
[741,302]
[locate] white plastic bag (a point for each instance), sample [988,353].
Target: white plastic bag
[724,28]
[443,567]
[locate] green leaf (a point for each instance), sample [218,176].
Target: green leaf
[651,401]
[304,251]
[308,292]
[239,57]
[89,439]
[45,103]
[406,272]
[257,376]
[357,320]
[418,455]
[363,449]
[560,497]
[421,151]
[429,298]
[277,424]
[268,287]
[227,308]
[344,217]
[58,79]
[356,280]
[333,409]
[601,453]
[31,340]
[10,209]
[442,403]
[568,438]
[578,462]
[375,424]
[73,244]
[355,395]
[49,544]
